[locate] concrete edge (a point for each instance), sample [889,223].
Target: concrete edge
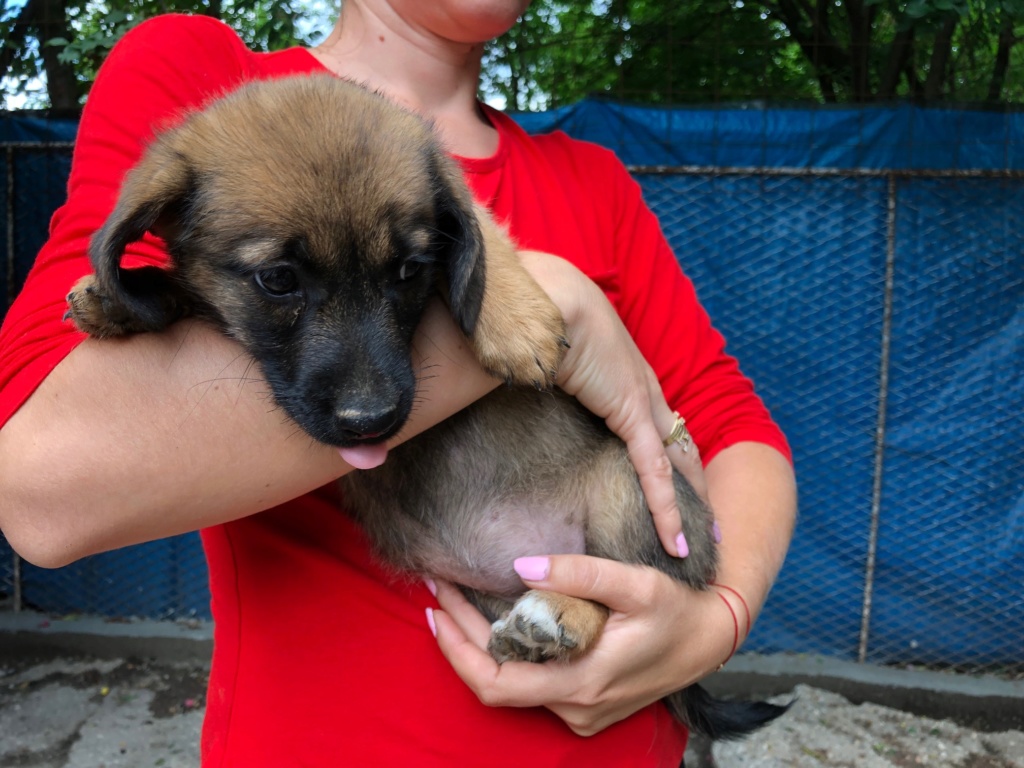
[983,702]
[28,633]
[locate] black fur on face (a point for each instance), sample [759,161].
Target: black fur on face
[315,234]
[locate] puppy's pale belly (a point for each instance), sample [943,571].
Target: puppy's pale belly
[481,552]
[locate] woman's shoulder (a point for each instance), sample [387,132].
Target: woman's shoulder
[183,33]
[175,51]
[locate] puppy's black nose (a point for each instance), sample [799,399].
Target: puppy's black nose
[366,424]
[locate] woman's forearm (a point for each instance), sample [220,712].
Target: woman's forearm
[753,493]
[157,434]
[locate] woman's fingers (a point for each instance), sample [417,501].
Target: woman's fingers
[623,588]
[654,462]
[654,470]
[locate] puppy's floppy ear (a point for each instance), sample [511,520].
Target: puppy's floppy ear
[463,241]
[152,197]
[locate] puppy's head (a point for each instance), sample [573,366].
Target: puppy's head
[312,220]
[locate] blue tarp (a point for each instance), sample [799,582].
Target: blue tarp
[891,138]
[39,179]
[793,270]
[17,127]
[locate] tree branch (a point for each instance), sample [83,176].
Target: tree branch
[860,45]
[941,51]
[62,85]
[899,55]
[815,40]
[1002,61]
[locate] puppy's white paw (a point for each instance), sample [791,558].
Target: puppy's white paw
[545,625]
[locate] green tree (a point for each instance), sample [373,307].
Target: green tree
[57,45]
[725,50]
[645,50]
[652,51]
[928,50]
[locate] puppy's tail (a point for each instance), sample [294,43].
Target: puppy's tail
[718,719]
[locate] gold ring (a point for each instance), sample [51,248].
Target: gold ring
[679,434]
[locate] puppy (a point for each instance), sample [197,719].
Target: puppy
[312,221]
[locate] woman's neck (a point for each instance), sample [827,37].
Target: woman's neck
[434,77]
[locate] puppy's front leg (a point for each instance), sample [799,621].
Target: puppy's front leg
[546,625]
[104,312]
[520,334]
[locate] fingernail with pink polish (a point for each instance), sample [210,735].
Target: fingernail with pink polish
[429,584]
[430,622]
[532,568]
[716,532]
[681,546]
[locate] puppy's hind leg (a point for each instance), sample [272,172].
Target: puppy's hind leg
[539,626]
[546,625]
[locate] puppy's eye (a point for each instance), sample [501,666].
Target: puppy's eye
[409,269]
[277,281]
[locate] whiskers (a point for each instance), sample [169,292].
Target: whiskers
[199,391]
[421,375]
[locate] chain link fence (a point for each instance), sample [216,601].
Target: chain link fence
[881,315]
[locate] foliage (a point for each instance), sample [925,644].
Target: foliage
[645,50]
[655,51]
[927,50]
[783,50]
[64,41]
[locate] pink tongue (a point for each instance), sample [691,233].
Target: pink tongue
[364,456]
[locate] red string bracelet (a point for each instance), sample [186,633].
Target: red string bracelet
[736,630]
[746,609]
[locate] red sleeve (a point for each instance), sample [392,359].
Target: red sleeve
[659,306]
[158,71]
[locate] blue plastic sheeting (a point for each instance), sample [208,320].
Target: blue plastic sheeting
[39,180]
[803,311]
[15,127]
[792,268]
[160,579]
[775,261]
[952,538]
[892,138]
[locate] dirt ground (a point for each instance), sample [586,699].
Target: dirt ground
[824,729]
[91,713]
[81,712]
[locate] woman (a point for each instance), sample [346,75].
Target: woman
[322,658]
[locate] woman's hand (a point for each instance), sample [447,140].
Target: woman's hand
[606,372]
[660,637]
